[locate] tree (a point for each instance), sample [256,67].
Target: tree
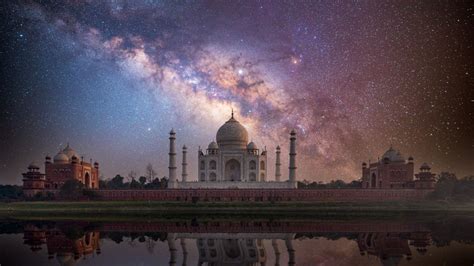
[72,188]
[134,184]
[156,183]
[103,184]
[150,172]
[10,192]
[142,180]
[132,175]
[116,182]
[164,182]
[445,186]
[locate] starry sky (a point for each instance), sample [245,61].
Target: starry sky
[113,77]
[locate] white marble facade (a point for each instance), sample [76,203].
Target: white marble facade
[231,162]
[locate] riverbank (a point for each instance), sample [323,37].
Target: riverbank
[300,209]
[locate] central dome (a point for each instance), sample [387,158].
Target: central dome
[232,135]
[393,156]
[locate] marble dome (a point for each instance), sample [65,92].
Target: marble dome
[252,146]
[213,146]
[232,135]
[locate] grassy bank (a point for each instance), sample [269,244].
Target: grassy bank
[247,209]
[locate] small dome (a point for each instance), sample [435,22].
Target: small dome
[33,165]
[252,146]
[70,152]
[232,134]
[213,146]
[61,158]
[393,156]
[425,166]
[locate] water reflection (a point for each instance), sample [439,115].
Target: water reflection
[258,242]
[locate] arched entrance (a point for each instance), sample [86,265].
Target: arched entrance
[232,248]
[373,181]
[232,170]
[87,180]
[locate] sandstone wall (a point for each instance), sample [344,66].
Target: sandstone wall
[317,195]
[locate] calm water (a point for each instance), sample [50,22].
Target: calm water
[436,241]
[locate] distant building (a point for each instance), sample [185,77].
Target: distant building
[393,171]
[65,166]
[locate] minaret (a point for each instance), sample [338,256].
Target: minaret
[184,173]
[185,251]
[277,165]
[172,248]
[292,167]
[276,251]
[172,162]
[291,251]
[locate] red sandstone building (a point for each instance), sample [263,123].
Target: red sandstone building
[394,172]
[65,166]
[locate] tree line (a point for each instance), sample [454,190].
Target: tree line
[147,181]
[448,187]
[332,184]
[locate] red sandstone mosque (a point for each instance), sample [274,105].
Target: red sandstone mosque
[66,165]
[394,172]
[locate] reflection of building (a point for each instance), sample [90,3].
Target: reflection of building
[67,250]
[66,165]
[232,162]
[389,247]
[231,251]
[392,247]
[393,171]
[420,240]
[34,237]
[70,250]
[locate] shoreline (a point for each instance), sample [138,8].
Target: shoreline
[245,209]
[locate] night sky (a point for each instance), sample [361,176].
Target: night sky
[112,79]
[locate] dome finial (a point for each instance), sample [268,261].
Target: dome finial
[232,114]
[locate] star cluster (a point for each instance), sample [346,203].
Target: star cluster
[113,77]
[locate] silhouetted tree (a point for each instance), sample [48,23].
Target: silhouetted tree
[156,183]
[150,172]
[116,182]
[142,180]
[134,184]
[449,187]
[132,175]
[72,188]
[103,184]
[10,192]
[164,182]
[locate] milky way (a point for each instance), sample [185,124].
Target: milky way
[112,78]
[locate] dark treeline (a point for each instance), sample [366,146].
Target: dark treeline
[10,192]
[333,184]
[143,182]
[449,187]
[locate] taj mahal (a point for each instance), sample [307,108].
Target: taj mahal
[232,162]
